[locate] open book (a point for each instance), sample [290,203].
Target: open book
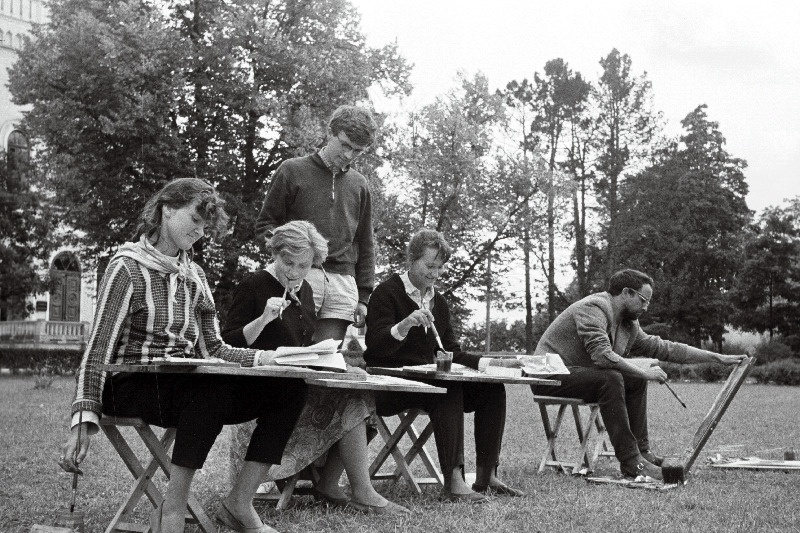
[322,355]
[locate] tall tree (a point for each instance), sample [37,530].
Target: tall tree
[626,126]
[25,227]
[130,94]
[519,100]
[559,97]
[766,294]
[443,178]
[682,220]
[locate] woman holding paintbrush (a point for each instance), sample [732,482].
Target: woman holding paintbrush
[275,307]
[155,302]
[408,322]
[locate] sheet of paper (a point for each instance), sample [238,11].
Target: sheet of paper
[326,346]
[296,358]
[544,365]
[324,361]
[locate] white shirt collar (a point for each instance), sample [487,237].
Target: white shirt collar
[423,301]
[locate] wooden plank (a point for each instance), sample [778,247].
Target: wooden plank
[718,408]
[761,464]
[631,484]
[458,374]
[378,383]
[259,371]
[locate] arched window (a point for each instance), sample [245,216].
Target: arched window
[65,288]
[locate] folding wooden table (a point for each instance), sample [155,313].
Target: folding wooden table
[143,485]
[418,438]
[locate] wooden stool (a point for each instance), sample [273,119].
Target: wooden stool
[143,483]
[403,460]
[588,458]
[289,487]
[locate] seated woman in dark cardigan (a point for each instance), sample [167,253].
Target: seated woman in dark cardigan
[400,314]
[275,307]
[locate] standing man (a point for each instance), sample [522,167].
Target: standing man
[323,189]
[595,337]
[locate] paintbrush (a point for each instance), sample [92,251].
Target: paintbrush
[75,460]
[438,340]
[285,292]
[676,395]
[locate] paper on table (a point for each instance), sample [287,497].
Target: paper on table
[431,367]
[326,346]
[548,364]
[326,361]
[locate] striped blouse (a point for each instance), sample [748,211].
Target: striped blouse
[136,319]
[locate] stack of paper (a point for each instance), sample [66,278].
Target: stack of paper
[322,355]
[548,364]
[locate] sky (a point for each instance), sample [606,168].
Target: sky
[742,59]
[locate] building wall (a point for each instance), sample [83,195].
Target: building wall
[17,17]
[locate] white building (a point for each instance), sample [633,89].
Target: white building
[62,315]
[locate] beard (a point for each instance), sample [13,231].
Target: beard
[627,314]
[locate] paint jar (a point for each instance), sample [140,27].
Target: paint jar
[444,361]
[72,521]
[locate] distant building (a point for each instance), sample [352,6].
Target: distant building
[62,316]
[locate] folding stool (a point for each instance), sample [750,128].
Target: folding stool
[594,423]
[143,483]
[403,460]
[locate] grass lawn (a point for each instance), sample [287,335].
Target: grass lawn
[762,420]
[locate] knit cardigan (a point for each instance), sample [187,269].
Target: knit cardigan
[388,305]
[294,328]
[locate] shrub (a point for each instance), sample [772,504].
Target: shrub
[58,361]
[773,350]
[783,372]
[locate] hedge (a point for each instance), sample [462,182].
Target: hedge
[56,361]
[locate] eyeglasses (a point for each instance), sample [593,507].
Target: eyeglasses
[349,146]
[645,300]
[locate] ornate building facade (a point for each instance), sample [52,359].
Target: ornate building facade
[61,316]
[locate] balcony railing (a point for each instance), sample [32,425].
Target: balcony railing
[43,334]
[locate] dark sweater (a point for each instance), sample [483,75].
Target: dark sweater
[388,305]
[339,206]
[295,328]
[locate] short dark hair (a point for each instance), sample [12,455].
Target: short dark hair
[428,238]
[356,122]
[628,279]
[179,193]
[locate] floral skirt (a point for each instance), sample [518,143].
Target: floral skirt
[327,416]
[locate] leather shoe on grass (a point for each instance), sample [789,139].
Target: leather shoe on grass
[390,508]
[653,458]
[500,490]
[469,497]
[639,466]
[333,501]
[228,519]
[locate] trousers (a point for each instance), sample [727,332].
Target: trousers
[446,411]
[622,401]
[198,406]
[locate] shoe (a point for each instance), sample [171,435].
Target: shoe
[390,508]
[333,501]
[155,519]
[469,497]
[501,490]
[639,466]
[226,517]
[653,458]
